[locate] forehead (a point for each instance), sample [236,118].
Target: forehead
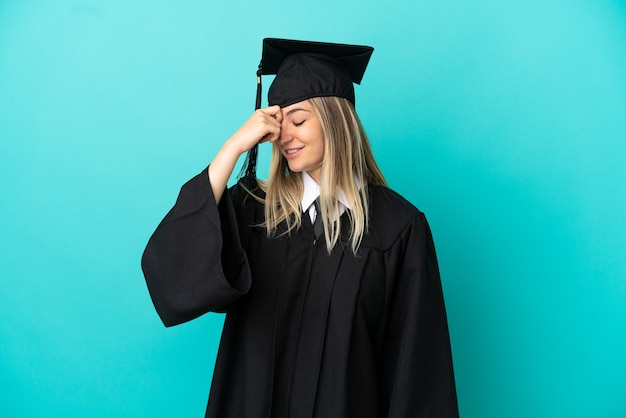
[300,107]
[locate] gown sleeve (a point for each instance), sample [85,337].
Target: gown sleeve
[417,360]
[194,262]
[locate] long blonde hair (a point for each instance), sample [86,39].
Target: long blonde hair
[348,163]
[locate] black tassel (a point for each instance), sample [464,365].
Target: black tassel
[249,165]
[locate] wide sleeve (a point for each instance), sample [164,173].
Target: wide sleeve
[416,357]
[194,262]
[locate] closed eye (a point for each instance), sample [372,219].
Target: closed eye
[298,123]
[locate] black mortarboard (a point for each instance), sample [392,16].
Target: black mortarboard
[307,69]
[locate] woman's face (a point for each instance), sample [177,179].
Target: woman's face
[301,140]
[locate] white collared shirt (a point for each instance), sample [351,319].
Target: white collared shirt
[312,192]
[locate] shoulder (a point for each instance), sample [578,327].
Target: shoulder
[246,191]
[385,199]
[391,217]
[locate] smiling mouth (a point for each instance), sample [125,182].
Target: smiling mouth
[292,151]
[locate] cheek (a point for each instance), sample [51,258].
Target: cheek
[319,140]
[319,147]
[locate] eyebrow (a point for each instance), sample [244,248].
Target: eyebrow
[297,109]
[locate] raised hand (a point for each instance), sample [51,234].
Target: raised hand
[264,125]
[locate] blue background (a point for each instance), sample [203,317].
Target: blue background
[504,121]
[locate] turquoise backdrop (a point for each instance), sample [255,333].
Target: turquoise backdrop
[505,122]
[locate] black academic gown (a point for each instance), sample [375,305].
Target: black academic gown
[308,334]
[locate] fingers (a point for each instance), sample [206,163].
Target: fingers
[263,126]
[273,111]
[270,119]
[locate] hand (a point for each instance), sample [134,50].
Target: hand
[264,125]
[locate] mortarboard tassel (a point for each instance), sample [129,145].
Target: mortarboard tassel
[249,165]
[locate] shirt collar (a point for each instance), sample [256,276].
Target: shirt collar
[312,192]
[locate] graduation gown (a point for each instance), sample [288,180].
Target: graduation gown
[307,333]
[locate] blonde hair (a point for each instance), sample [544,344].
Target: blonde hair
[348,163]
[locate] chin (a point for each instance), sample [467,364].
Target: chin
[295,169]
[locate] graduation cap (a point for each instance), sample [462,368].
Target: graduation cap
[304,70]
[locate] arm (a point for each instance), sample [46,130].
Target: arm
[183,264]
[417,359]
[195,262]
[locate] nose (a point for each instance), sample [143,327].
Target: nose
[285,132]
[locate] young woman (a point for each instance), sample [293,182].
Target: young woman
[328,278]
